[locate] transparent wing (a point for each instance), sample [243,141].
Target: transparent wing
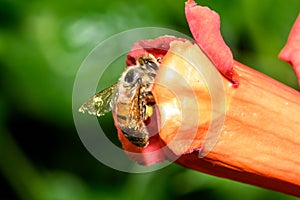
[99,104]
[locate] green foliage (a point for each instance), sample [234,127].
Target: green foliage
[43,43]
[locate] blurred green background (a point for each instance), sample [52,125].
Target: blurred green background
[42,44]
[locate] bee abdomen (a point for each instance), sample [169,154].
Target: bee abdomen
[139,139]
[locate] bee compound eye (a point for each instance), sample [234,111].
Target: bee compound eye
[132,76]
[152,65]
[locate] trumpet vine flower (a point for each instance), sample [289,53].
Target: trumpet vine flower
[259,138]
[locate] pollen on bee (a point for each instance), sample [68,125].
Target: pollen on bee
[149,111]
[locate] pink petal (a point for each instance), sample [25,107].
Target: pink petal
[291,51]
[157,47]
[205,27]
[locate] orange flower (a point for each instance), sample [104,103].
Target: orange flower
[259,142]
[249,133]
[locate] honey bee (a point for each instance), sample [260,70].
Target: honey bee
[130,99]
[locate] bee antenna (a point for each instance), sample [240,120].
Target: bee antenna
[141,61]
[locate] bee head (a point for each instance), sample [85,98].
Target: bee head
[148,61]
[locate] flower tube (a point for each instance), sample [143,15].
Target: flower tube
[257,122]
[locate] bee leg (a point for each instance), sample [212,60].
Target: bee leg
[146,105]
[143,110]
[147,111]
[149,98]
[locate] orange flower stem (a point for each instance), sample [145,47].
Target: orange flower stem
[260,140]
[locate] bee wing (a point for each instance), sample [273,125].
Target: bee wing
[134,111]
[100,103]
